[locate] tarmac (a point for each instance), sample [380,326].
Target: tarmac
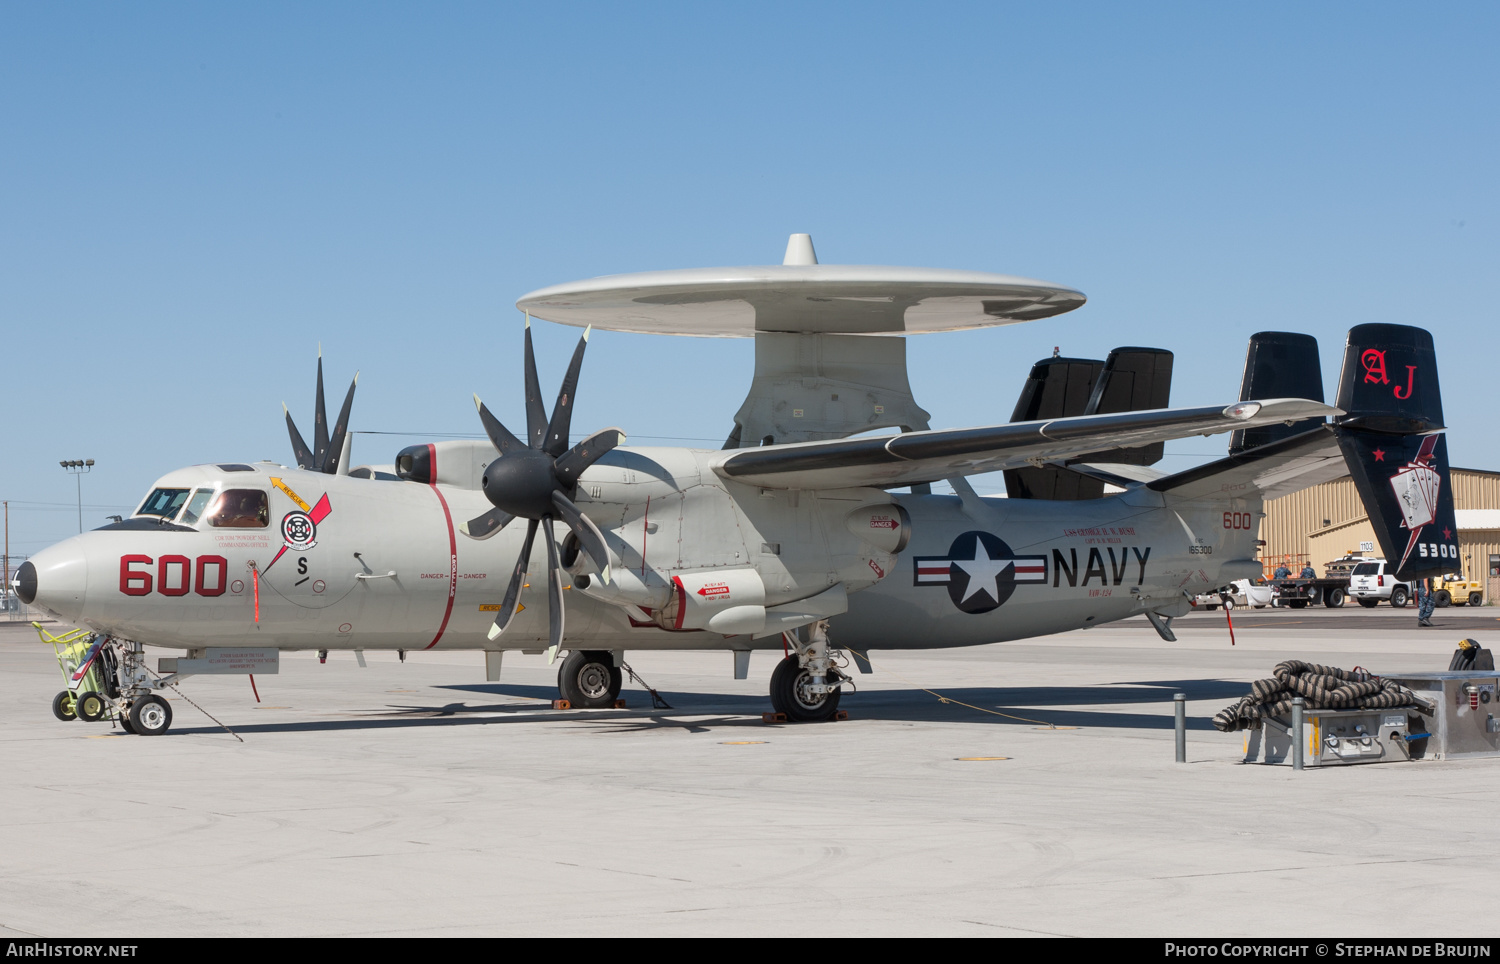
[1042,798]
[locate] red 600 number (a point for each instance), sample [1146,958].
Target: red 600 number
[1239,520]
[171,577]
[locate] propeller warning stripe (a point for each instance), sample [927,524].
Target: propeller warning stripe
[452,550]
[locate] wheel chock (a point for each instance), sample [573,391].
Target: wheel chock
[773,717]
[561,705]
[841,715]
[619,704]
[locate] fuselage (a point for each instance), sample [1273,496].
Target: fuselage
[266,555]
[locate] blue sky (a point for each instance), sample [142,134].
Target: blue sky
[196,195]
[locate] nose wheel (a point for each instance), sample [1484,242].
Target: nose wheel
[150,716]
[590,680]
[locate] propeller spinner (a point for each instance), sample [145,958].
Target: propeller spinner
[536,480]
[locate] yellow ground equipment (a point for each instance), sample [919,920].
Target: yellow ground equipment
[78,655]
[1455,590]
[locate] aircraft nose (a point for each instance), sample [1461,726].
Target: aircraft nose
[54,579]
[25,583]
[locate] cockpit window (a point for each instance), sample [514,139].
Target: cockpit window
[241,509]
[164,503]
[195,506]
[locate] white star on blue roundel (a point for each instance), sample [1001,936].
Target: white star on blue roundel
[980,571]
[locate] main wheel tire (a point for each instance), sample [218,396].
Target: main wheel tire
[590,680]
[1399,597]
[1444,599]
[62,706]
[1476,599]
[789,682]
[150,716]
[1334,598]
[90,707]
[1369,603]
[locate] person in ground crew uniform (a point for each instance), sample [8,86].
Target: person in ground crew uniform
[1281,572]
[1426,601]
[1307,571]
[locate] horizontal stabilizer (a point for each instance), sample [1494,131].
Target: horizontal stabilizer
[1270,471]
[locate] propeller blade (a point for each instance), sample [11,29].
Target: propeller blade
[486,525]
[554,592]
[536,412]
[513,591]
[340,430]
[300,450]
[570,464]
[500,436]
[320,423]
[590,539]
[562,412]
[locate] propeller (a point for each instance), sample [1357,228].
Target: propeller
[536,480]
[327,449]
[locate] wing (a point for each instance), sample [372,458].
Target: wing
[913,457]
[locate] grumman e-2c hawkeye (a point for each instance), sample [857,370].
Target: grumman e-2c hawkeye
[790,536]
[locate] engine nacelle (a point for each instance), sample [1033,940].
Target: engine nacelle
[697,552]
[885,525]
[728,601]
[626,587]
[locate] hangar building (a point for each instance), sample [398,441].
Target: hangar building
[1328,521]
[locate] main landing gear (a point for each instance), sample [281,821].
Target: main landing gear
[806,685]
[589,679]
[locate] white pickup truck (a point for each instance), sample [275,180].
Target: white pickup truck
[1241,592]
[1369,583]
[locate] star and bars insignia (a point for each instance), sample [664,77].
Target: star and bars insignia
[980,571]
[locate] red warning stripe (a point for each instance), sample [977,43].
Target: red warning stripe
[452,545]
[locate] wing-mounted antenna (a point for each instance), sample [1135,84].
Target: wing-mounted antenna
[330,450]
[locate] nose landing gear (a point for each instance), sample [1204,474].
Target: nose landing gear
[108,679]
[149,716]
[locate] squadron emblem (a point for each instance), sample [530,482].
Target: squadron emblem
[299,527]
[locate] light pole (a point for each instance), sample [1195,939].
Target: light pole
[78,468]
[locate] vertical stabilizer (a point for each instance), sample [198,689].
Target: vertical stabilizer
[1279,364]
[1392,442]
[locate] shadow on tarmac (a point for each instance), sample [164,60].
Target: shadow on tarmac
[707,712]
